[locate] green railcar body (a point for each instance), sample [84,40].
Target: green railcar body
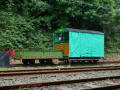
[30,54]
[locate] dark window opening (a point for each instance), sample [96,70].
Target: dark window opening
[61,37]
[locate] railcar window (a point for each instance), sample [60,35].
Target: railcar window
[61,37]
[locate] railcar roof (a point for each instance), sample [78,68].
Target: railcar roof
[84,31]
[62,30]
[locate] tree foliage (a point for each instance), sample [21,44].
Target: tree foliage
[112,31]
[30,23]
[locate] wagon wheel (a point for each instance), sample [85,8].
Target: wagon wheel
[95,61]
[41,61]
[83,61]
[90,61]
[49,61]
[31,62]
[66,61]
[25,62]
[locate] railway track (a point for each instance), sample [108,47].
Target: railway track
[68,83]
[57,70]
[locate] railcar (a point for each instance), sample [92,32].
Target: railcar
[79,44]
[68,45]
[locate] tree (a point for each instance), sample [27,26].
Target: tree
[31,23]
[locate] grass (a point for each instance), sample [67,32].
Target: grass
[12,68]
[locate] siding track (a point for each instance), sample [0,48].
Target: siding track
[68,82]
[59,70]
[64,82]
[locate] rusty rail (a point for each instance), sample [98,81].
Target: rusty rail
[64,82]
[51,71]
[59,69]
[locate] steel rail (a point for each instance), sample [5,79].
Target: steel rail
[63,82]
[57,71]
[111,87]
[63,68]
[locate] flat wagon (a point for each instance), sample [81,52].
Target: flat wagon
[28,56]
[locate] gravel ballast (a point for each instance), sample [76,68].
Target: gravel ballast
[56,77]
[78,86]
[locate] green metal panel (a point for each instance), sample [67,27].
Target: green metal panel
[86,44]
[56,38]
[61,30]
[39,53]
[17,54]
[29,53]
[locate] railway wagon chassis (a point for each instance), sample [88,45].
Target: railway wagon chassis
[30,56]
[42,60]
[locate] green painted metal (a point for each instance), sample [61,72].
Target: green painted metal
[35,53]
[56,35]
[17,54]
[86,44]
[56,38]
[53,41]
[64,38]
[41,53]
[29,53]
[61,30]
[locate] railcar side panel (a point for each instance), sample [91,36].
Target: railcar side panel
[86,44]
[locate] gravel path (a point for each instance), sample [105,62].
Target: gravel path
[55,77]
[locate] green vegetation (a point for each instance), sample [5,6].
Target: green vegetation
[12,68]
[30,23]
